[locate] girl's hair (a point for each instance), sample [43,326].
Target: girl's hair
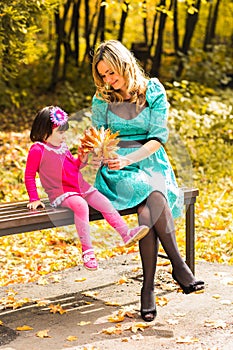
[42,126]
[121,61]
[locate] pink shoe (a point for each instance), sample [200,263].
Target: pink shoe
[89,260]
[135,234]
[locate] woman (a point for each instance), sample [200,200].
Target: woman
[141,175]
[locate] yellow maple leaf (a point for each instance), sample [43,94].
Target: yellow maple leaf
[43,334]
[71,338]
[24,328]
[83,323]
[112,330]
[161,301]
[138,326]
[112,303]
[1,323]
[57,309]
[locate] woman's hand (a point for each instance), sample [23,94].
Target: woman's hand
[36,204]
[118,163]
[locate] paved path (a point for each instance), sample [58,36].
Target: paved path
[193,322]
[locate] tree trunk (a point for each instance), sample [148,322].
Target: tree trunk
[175,28]
[214,21]
[55,70]
[124,14]
[159,46]
[207,39]
[191,21]
[101,23]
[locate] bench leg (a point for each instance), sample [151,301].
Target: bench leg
[190,236]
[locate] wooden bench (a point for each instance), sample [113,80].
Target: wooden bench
[16,218]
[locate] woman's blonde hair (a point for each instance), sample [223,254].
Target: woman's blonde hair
[122,62]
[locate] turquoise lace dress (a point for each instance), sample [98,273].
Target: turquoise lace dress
[131,185]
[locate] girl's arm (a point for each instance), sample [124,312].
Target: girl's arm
[32,167]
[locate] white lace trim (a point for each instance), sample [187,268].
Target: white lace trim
[61,150]
[62,197]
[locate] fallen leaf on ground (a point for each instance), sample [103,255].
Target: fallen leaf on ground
[112,330]
[43,334]
[187,340]
[71,338]
[80,279]
[215,324]
[161,301]
[83,323]
[24,328]
[57,309]
[90,294]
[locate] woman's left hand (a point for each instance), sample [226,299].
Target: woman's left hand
[117,163]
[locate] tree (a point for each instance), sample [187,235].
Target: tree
[193,8]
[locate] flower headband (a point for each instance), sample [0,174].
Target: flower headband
[58,116]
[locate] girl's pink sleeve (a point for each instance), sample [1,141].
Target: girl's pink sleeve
[32,167]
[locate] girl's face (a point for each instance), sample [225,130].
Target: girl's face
[57,137]
[116,81]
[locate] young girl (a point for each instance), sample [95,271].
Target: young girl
[62,180]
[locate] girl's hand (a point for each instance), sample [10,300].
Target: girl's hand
[83,157]
[96,162]
[36,204]
[118,163]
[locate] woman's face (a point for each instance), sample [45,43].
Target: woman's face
[116,81]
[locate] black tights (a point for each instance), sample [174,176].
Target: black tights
[156,214]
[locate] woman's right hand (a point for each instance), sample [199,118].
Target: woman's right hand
[36,204]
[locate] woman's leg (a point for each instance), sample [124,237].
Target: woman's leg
[164,226]
[148,247]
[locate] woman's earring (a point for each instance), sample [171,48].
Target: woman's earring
[107,86]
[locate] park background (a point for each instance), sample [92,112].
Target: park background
[45,58]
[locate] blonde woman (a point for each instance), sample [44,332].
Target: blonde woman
[127,101]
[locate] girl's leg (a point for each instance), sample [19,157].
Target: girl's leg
[81,219]
[101,203]
[148,247]
[164,226]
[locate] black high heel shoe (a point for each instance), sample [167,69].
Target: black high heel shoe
[192,287]
[148,314]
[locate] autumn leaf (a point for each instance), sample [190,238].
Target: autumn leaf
[123,280]
[112,330]
[80,279]
[138,326]
[161,301]
[1,323]
[215,324]
[187,340]
[57,309]
[90,294]
[43,334]
[71,338]
[24,328]
[112,303]
[83,323]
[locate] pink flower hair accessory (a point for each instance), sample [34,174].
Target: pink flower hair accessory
[58,116]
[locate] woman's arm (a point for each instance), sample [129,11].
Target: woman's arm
[142,153]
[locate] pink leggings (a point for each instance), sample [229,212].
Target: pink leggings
[95,199]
